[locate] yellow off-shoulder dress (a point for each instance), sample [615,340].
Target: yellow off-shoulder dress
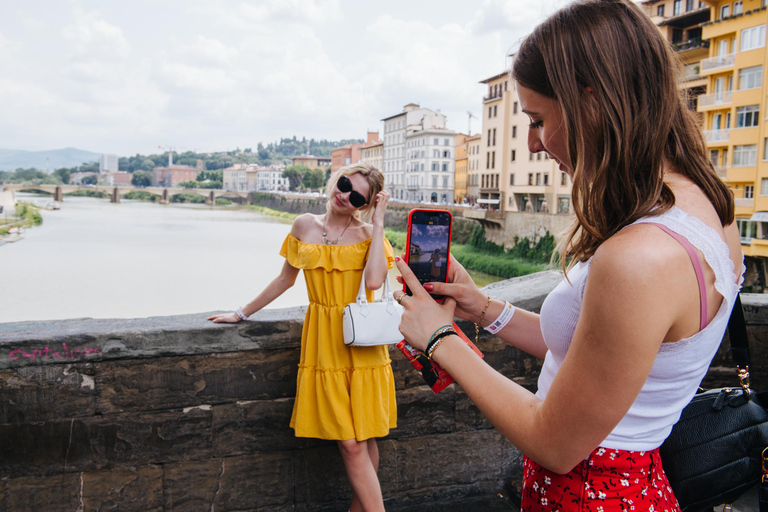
[341,392]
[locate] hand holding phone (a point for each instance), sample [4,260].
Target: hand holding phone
[428,245]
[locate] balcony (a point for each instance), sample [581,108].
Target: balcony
[742,202]
[717,98]
[716,135]
[720,61]
[690,44]
[721,170]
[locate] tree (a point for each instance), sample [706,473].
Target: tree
[295,175]
[189,184]
[141,179]
[63,174]
[314,178]
[90,180]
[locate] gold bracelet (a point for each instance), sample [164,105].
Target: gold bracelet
[482,317]
[438,340]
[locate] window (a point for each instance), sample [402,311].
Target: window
[435,166]
[546,180]
[494,136]
[765,149]
[514,154]
[563,179]
[745,156]
[512,180]
[445,166]
[514,108]
[495,111]
[753,37]
[725,11]
[688,5]
[446,142]
[751,78]
[746,117]
[489,137]
[490,112]
[434,181]
[530,178]
[488,160]
[749,191]
[435,153]
[738,7]
[446,154]
[538,178]
[445,181]
[764,187]
[514,132]
[493,160]
[660,10]
[530,156]
[677,7]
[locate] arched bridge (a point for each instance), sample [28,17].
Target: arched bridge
[114,193]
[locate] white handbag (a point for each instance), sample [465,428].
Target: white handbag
[366,324]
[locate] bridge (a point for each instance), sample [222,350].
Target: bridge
[114,193]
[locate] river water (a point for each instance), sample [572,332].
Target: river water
[133,259]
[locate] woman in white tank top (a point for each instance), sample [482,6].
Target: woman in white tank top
[630,333]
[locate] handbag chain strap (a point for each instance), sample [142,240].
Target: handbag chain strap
[737,333]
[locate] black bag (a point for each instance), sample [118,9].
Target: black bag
[718,448]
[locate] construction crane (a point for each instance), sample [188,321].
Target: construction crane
[470,115]
[170,153]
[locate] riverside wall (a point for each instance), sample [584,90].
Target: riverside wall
[177,413]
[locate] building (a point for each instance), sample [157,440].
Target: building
[510,178]
[116,178]
[172,175]
[266,179]
[351,153]
[373,155]
[429,165]
[235,177]
[735,129]
[108,163]
[460,172]
[76,178]
[313,162]
[400,156]
[473,168]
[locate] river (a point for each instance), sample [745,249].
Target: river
[133,259]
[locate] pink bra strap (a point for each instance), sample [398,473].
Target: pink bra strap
[697,267]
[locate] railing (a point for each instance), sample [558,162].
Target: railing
[742,202]
[720,61]
[717,98]
[690,44]
[716,135]
[721,170]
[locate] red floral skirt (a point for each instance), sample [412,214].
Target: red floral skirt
[608,481]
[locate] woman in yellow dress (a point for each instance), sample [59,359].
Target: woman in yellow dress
[346,394]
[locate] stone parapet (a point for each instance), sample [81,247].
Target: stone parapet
[177,413]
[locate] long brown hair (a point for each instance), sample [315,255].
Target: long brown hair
[615,79]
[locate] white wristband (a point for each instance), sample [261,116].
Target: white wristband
[506,315]
[240,315]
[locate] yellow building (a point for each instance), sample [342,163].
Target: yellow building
[460,169]
[473,144]
[313,162]
[735,128]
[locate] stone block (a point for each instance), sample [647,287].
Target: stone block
[101,442]
[55,492]
[422,412]
[39,393]
[123,489]
[191,381]
[191,486]
[248,427]
[321,480]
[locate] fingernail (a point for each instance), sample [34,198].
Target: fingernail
[397,258]
[428,287]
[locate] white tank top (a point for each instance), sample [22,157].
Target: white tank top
[679,366]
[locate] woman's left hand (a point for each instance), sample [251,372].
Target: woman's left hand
[380,207]
[422,315]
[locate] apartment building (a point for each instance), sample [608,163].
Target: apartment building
[429,165]
[252,178]
[312,161]
[172,175]
[736,130]
[460,166]
[398,179]
[510,178]
[373,155]
[473,168]
[351,153]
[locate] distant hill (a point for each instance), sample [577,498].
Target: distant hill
[12,159]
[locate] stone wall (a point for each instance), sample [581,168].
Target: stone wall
[176,413]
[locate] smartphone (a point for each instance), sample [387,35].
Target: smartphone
[428,245]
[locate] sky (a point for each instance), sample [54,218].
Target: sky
[127,77]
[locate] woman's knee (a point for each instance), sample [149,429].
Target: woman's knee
[351,448]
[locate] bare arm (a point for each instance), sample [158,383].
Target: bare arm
[618,335]
[376,267]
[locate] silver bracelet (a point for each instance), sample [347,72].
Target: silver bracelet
[506,315]
[240,315]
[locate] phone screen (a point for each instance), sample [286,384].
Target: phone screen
[429,244]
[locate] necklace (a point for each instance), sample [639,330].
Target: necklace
[325,234]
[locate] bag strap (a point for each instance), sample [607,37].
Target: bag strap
[362,298]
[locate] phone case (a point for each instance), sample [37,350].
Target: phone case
[433,374]
[408,239]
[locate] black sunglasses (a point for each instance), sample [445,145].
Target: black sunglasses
[356,199]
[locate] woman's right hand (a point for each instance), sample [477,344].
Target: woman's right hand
[225,318]
[470,300]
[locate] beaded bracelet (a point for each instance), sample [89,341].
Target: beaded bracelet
[435,337]
[437,340]
[506,315]
[240,315]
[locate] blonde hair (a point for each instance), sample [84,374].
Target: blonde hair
[375,185]
[614,78]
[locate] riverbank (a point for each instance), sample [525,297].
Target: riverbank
[27,215]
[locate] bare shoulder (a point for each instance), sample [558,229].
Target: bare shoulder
[641,256]
[304,224]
